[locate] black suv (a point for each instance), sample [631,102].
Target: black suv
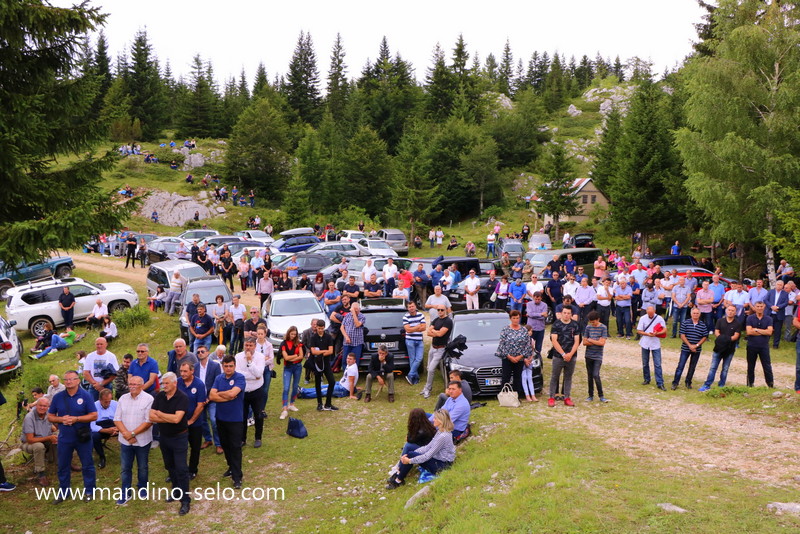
[384,325]
[478,364]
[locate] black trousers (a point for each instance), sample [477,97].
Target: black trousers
[254,400]
[173,451]
[593,372]
[230,438]
[754,354]
[130,257]
[195,441]
[318,381]
[511,369]
[605,313]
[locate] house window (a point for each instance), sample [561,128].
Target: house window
[585,199]
[594,199]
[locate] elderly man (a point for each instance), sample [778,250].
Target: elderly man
[179,355]
[100,367]
[651,328]
[103,427]
[195,390]
[132,420]
[73,409]
[169,412]
[40,439]
[251,364]
[99,311]
[55,386]
[228,393]
[352,330]
[693,334]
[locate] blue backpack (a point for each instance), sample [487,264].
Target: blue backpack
[296,428]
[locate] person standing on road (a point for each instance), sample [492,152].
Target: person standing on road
[651,328]
[727,332]
[759,329]
[693,334]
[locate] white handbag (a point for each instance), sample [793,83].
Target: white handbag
[508,397]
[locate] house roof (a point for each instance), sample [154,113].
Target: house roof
[577,186]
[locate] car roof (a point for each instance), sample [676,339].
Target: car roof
[382,304]
[392,231]
[297,231]
[292,294]
[205,281]
[171,265]
[51,282]
[468,313]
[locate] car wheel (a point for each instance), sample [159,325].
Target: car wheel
[63,271]
[40,325]
[118,306]
[4,287]
[488,305]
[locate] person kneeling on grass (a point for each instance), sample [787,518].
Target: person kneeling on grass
[437,455]
[57,342]
[594,338]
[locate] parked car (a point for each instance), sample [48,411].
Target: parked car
[343,248]
[35,306]
[283,309]
[292,244]
[208,287]
[377,247]
[355,266]
[539,241]
[255,235]
[585,240]
[252,250]
[197,235]
[478,364]
[10,276]
[396,239]
[159,274]
[584,257]
[671,260]
[159,250]
[514,247]
[219,240]
[10,349]
[237,247]
[351,236]
[384,324]
[309,264]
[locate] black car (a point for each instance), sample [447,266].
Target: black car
[478,364]
[309,264]
[384,325]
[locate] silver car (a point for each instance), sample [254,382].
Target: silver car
[396,239]
[283,309]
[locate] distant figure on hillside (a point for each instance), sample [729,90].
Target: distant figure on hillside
[196,215]
[189,179]
[154,216]
[676,248]
[173,165]
[252,196]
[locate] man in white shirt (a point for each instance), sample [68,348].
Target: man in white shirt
[132,419]
[94,366]
[739,298]
[650,327]
[251,364]
[99,311]
[438,299]
[471,287]
[570,287]
[534,286]
[238,313]
[368,271]
[604,297]
[389,270]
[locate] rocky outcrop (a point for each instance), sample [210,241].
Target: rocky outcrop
[174,209]
[572,111]
[611,97]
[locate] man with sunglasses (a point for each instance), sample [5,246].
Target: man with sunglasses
[439,330]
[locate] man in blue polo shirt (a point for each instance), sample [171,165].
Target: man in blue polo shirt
[718,306]
[145,367]
[73,409]
[195,391]
[228,393]
[623,294]
[458,407]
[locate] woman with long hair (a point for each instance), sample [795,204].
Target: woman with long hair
[437,455]
[291,350]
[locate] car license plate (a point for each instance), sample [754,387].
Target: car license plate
[493,381]
[390,345]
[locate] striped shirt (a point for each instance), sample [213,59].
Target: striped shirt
[413,320]
[595,352]
[693,332]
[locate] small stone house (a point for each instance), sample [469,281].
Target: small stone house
[588,195]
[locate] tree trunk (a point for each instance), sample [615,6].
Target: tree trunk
[740,253]
[413,230]
[643,241]
[555,224]
[770,253]
[481,201]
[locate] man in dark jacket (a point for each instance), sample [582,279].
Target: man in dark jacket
[381,367]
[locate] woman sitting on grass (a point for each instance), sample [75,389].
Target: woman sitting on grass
[420,431]
[109,329]
[437,455]
[57,342]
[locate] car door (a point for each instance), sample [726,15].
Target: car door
[85,299]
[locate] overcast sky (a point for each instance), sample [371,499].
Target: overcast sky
[236,34]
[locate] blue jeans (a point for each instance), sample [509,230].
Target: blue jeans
[355,349]
[692,357]
[656,365]
[538,339]
[433,465]
[490,250]
[265,388]
[291,381]
[515,305]
[204,342]
[210,414]
[56,343]
[716,358]
[624,320]
[127,453]
[416,351]
[84,450]
[797,367]
[678,316]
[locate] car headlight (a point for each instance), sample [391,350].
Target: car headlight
[462,368]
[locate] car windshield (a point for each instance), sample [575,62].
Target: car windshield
[378,244]
[356,235]
[256,234]
[195,271]
[480,329]
[356,264]
[96,286]
[239,247]
[279,243]
[300,306]
[395,237]
[538,259]
[384,320]
[513,248]
[208,294]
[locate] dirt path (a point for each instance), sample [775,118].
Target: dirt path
[678,434]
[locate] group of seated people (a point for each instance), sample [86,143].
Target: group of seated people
[150,158]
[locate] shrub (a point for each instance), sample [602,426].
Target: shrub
[493,211]
[191,224]
[32,376]
[138,315]
[166,156]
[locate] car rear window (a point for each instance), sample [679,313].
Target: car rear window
[395,237]
[480,329]
[385,319]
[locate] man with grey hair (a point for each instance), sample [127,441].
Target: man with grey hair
[39,438]
[251,364]
[178,355]
[135,434]
[55,386]
[195,390]
[169,411]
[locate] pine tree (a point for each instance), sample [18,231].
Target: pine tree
[243,92]
[440,88]
[542,70]
[367,167]
[479,168]
[584,74]
[517,131]
[200,114]
[414,196]
[102,63]
[556,193]
[555,87]
[490,71]
[148,102]
[619,70]
[605,167]
[296,206]
[302,82]
[338,86]
[45,115]
[505,73]
[261,83]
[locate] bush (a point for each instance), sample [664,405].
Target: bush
[191,224]
[493,211]
[32,376]
[349,217]
[166,156]
[127,319]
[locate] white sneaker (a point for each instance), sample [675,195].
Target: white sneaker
[251,422]
[293,408]
[53,351]
[284,414]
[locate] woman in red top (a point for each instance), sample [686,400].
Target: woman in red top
[291,351]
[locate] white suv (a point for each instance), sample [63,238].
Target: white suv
[10,349]
[35,306]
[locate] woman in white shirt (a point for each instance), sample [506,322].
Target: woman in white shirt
[264,347]
[109,329]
